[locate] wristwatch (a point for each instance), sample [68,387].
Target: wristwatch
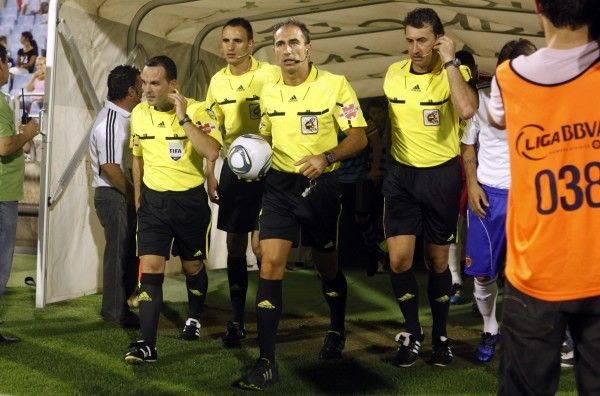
[329,157]
[185,119]
[453,62]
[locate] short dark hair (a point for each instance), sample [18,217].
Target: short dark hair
[243,23]
[3,54]
[571,14]
[120,79]
[166,63]
[294,22]
[466,58]
[419,17]
[514,48]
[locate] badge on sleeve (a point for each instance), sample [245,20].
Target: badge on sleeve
[175,149]
[310,125]
[431,117]
[349,112]
[206,127]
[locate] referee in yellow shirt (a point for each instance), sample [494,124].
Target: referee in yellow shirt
[233,98]
[301,116]
[428,94]
[171,136]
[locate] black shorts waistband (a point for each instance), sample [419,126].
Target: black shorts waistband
[298,175]
[450,162]
[195,190]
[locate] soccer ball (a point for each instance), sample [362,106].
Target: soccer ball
[249,156]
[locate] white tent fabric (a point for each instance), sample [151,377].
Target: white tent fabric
[357,38]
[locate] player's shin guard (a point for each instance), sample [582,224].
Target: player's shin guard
[335,292]
[438,292]
[197,286]
[150,299]
[268,312]
[237,274]
[406,291]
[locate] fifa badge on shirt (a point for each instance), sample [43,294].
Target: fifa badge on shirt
[254,109]
[175,149]
[310,125]
[431,117]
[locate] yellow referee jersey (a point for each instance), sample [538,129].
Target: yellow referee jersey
[304,119]
[234,100]
[425,127]
[170,161]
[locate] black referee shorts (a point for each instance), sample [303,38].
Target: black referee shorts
[422,201]
[239,202]
[285,212]
[180,217]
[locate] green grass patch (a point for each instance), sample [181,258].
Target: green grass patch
[67,349]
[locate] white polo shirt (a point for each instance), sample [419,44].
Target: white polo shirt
[109,143]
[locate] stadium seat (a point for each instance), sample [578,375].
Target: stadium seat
[5,30]
[19,81]
[41,20]
[7,18]
[40,32]
[26,21]
[10,11]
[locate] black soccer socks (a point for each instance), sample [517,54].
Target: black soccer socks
[268,312]
[237,274]
[197,286]
[150,299]
[335,292]
[406,291]
[438,292]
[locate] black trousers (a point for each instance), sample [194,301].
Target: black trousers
[532,333]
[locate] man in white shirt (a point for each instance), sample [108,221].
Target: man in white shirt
[485,156]
[113,199]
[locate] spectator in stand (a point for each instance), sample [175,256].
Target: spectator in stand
[24,7]
[4,43]
[26,56]
[43,11]
[36,84]
[43,8]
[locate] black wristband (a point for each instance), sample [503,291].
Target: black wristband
[185,119]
